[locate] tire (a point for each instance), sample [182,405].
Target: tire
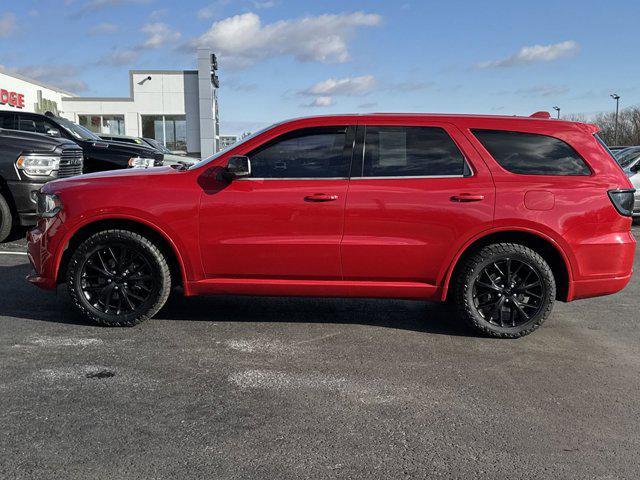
[499,308]
[6,219]
[136,291]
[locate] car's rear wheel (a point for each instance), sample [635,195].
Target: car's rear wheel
[6,218]
[505,290]
[118,278]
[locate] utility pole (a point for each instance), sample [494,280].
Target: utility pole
[616,97]
[557,109]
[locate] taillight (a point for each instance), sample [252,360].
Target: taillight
[623,201]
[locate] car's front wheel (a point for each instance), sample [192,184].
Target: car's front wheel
[118,278]
[505,290]
[6,219]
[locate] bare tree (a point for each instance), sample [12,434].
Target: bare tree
[628,125]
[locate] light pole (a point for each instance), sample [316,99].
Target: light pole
[616,97]
[557,109]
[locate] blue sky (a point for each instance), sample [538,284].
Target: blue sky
[285,58]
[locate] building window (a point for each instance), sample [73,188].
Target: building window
[111,124]
[171,130]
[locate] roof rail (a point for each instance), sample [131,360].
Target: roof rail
[540,114]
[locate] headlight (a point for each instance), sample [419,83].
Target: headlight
[139,162]
[38,165]
[48,205]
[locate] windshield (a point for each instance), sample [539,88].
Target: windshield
[157,145]
[76,130]
[627,157]
[222,152]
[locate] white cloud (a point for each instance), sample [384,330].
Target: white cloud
[543,90]
[119,57]
[103,28]
[158,34]
[320,102]
[536,53]
[243,40]
[350,86]
[92,6]
[7,24]
[343,86]
[208,12]
[158,14]
[265,4]
[59,75]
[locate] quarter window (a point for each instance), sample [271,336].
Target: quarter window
[308,153]
[532,154]
[411,152]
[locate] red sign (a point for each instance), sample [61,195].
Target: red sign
[12,99]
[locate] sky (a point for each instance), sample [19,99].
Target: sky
[287,58]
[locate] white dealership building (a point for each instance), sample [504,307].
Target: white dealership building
[177,107]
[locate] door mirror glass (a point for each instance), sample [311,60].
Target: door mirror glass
[53,132]
[239,166]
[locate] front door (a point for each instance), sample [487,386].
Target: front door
[285,220]
[413,199]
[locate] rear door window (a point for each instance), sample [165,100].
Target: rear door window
[532,154]
[391,151]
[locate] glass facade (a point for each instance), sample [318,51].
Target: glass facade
[112,124]
[170,130]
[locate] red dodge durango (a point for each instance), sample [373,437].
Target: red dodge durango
[499,215]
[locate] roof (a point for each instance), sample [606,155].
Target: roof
[131,74]
[9,73]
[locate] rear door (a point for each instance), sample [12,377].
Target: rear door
[414,198]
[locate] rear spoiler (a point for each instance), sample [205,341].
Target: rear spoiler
[540,114]
[588,127]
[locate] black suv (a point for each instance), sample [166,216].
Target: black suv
[28,161]
[99,154]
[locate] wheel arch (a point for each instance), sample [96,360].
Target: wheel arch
[541,243]
[143,227]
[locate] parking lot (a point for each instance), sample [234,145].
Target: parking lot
[233,387]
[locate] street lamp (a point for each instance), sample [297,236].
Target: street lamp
[616,97]
[557,109]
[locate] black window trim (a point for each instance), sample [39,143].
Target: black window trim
[361,149]
[347,152]
[550,175]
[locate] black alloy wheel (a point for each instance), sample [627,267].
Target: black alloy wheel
[508,292]
[118,278]
[504,290]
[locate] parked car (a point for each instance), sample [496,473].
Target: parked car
[499,215]
[99,154]
[629,160]
[169,158]
[28,161]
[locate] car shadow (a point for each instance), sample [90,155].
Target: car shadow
[21,300]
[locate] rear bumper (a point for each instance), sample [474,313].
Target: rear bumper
[604,265]
[598,287]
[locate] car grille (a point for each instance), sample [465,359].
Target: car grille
[70,163]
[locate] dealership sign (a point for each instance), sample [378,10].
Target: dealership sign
[13,99]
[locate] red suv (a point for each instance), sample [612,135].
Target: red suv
[499,215]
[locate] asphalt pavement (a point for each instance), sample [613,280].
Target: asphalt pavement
[290,388]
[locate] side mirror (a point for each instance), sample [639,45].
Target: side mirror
[239,166]
[53,132]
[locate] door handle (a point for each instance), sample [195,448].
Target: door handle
[320,197]
[467,197]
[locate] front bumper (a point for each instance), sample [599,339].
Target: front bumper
[43,250]
[24,200]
